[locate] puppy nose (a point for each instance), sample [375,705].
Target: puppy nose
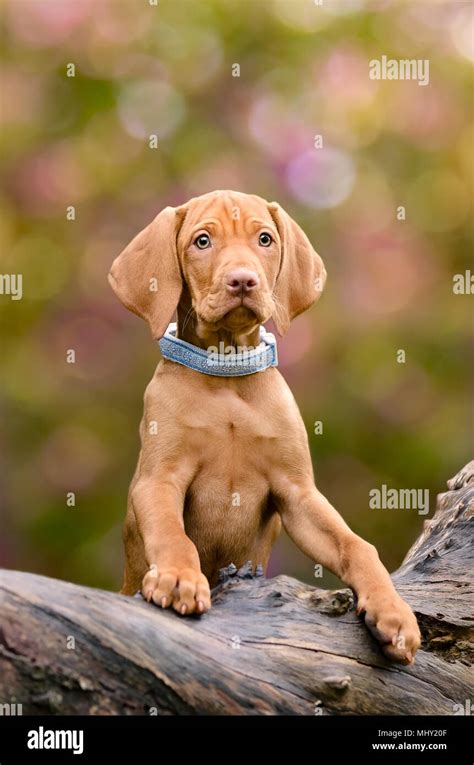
[241,280]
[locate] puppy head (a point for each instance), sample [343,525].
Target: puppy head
[241,259]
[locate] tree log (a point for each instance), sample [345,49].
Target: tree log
[268,646]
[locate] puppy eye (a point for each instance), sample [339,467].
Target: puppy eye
[265,239]
[202,241]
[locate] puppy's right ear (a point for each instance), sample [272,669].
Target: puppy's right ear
[146,276]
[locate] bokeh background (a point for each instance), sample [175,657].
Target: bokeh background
[83,141]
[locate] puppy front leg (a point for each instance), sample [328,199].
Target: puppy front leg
[320,532]
[174,577]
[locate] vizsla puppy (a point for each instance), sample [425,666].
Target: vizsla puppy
[224,459]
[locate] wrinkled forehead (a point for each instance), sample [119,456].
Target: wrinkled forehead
[230,211]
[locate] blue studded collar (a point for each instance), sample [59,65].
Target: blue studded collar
[215,361]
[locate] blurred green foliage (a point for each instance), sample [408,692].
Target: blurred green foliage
[83,141]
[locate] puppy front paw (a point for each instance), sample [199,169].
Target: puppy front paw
[393,624]
[186,589]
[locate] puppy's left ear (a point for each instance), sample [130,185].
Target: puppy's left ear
[302,274]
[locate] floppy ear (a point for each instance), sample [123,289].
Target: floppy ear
[146,276]
[302,274]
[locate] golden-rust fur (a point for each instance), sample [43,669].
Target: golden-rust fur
[225,460]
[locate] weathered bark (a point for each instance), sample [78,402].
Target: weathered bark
[268,646]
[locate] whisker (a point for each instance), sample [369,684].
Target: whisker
[188,317]
[280,305]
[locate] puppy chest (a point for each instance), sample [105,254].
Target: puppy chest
[228,423]
[221,509]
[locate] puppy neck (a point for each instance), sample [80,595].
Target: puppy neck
[205,335]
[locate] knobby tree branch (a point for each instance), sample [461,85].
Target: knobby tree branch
[268,646]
